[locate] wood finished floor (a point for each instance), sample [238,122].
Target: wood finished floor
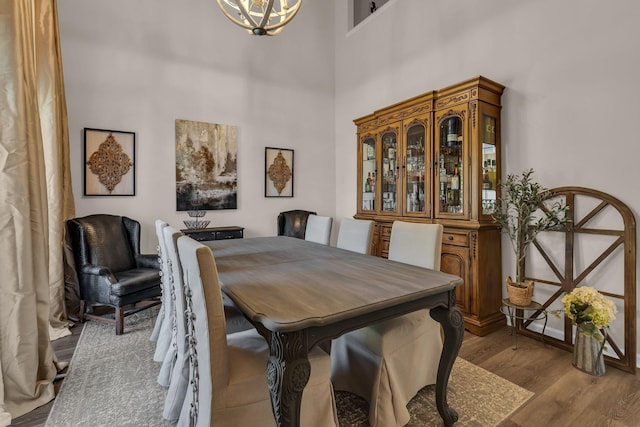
[564,396]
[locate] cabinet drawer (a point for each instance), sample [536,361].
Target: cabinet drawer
[456,239]
[229,234]
[214,233]
[203,236]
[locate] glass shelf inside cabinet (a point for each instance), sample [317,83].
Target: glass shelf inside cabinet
[389,171]
[489,167]
[451,175]
[369,174]
[415,169]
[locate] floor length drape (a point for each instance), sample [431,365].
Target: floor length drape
[35,200]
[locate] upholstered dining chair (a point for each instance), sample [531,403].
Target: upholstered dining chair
[318,229]
[228,373]
[175,349]
[160,319]
[174,372]
[389,362]
[111,271]
[355,235]
[162,330]
[293,223]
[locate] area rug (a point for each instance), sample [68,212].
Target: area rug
[112,382]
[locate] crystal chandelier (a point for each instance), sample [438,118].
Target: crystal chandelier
[260,17]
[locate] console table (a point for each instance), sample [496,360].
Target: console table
[214,233]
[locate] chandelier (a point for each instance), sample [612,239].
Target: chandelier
[260,17]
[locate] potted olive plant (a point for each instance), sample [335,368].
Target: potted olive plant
[523,211]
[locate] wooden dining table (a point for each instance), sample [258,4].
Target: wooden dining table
[299,294]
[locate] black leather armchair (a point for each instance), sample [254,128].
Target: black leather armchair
[111,271]
[293,223]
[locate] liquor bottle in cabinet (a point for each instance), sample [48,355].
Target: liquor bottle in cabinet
[437,160]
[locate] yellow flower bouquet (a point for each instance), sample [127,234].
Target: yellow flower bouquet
[590,310]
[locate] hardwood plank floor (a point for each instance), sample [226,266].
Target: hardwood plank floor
[564,396]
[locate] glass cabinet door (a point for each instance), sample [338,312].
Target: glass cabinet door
[368,174]
[415,191]
[489,167]
[451,173]
[389,171]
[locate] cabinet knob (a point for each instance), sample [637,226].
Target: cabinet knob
[450,237]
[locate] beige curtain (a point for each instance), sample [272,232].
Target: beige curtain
[35,200]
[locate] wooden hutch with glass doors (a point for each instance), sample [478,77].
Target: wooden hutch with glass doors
[435,158]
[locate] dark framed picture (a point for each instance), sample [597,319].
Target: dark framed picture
[278,172]
[109,163]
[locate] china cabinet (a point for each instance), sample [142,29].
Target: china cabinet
[435,158]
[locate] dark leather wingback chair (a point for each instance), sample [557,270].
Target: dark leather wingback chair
[293,223]
[111,271]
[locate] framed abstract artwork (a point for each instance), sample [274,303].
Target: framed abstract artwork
[109,163]
[206,166]
[278,172]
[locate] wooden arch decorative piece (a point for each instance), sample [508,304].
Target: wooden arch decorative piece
[568,278]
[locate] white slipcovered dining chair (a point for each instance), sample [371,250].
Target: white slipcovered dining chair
[355,235]
[318,229]
[162,330]
[389,362]
[160,224]
[174,372]
[228,373]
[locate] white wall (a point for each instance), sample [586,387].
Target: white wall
[570,69]
[140,65]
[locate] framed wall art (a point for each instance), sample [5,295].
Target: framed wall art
[206,166]
[278,172]
[109,163]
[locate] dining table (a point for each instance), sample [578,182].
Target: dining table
[299,294]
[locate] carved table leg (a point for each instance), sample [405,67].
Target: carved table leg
[288,372]
[453,326]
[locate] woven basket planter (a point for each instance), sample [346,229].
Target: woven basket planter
[520,293]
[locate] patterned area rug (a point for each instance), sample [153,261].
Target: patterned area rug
[112,382]
[480,398]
